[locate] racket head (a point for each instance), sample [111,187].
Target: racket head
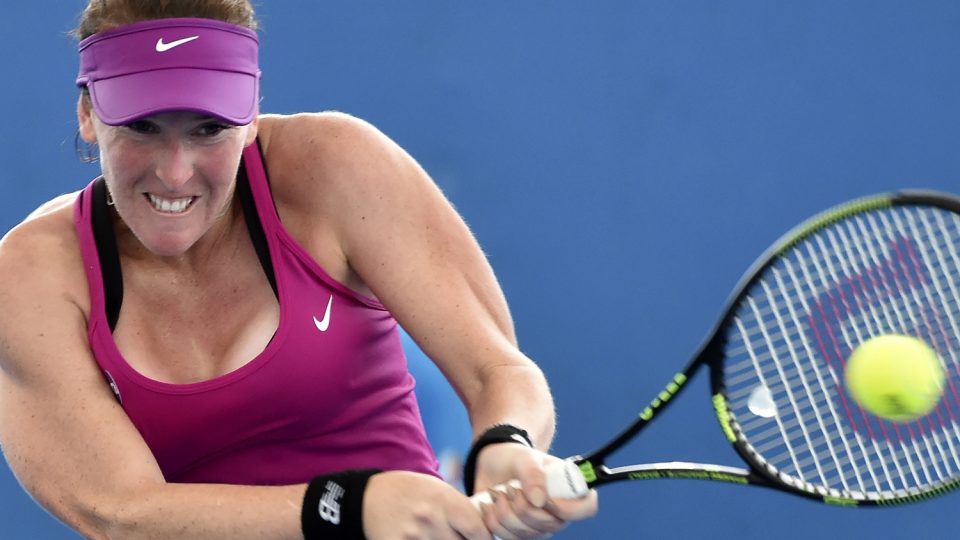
[885,264]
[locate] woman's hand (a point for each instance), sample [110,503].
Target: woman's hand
[527,512]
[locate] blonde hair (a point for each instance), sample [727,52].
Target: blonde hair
[101,15]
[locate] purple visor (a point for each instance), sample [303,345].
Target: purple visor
[198,65]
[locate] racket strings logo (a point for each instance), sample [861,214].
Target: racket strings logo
[873,293]
[329,507]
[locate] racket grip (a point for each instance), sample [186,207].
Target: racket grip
[564,481]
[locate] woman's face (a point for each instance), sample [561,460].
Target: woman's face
[171,175]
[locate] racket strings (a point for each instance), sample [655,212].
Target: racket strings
[933,321]
[892,315]
[894,270]
[919,319]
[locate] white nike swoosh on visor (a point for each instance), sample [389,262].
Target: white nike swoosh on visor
[162,47]
[324,323]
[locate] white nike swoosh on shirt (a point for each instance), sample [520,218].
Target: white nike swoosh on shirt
[324,323]
[162,47]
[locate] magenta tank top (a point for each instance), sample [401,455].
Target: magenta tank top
[330,392]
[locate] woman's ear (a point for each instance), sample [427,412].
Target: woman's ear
[85,119]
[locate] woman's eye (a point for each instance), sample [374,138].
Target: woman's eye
[212,129]
[142,126]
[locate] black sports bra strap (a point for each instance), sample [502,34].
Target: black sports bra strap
[102,223]
[257,236]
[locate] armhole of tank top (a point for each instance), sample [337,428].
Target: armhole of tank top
[278,232]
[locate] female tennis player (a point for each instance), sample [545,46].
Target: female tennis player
[202,343]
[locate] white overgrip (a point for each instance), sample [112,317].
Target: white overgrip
[564,481]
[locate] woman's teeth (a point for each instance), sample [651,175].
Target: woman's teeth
[170,206]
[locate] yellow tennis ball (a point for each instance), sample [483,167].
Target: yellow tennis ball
[896,377]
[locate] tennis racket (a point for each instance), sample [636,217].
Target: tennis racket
[886,264]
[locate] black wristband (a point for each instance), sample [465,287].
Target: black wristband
[333,506]
[499,433]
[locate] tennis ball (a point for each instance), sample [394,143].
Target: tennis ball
[896,377]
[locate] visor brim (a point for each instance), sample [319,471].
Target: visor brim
[226,95]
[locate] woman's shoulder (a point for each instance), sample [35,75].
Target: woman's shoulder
[331,122]
[42,251]
[326,139]
[52,221]
[328,150]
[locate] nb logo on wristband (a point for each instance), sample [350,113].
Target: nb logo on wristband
[330,503]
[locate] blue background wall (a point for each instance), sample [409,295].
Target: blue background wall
[620,161]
